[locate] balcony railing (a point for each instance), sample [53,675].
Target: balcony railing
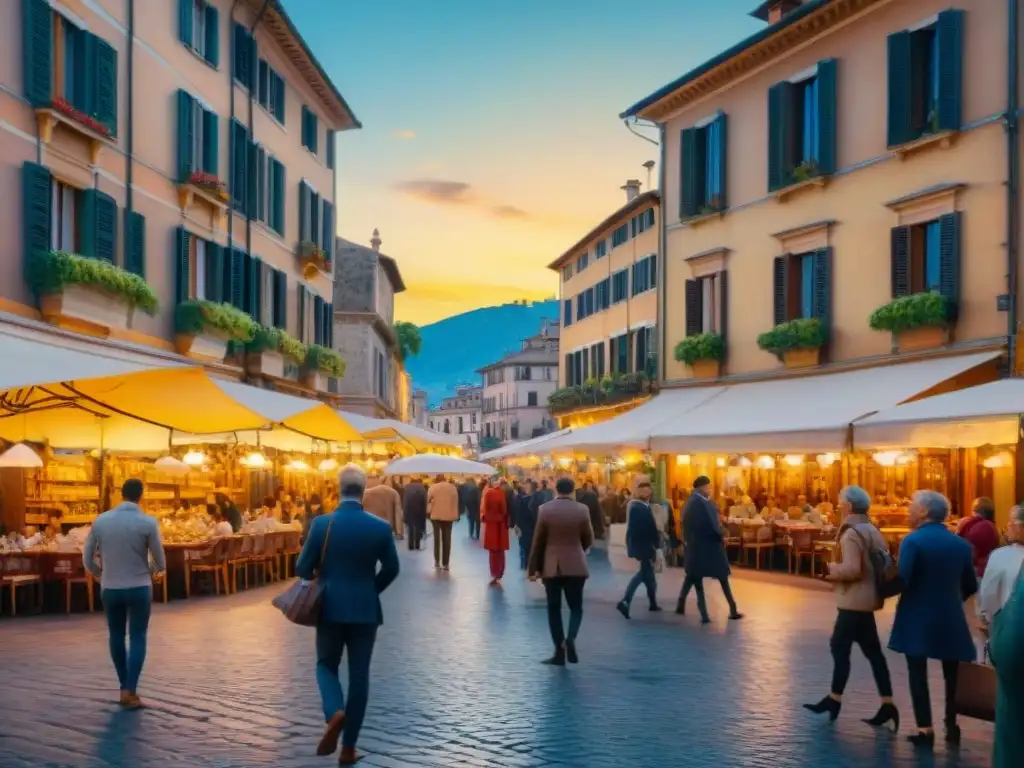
[608,391]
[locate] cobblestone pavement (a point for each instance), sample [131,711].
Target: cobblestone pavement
[456,682]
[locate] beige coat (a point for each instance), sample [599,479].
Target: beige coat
[443,502]
[384,502]
[560,541]
[852,575]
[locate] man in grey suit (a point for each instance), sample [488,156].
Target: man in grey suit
[558,556]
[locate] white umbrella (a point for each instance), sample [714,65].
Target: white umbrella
[437,464]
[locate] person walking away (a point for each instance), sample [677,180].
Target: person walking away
[609,508]
[857,599]
[469,500]
[643,539]
[125,538]
[979,530]
[704,556]
[510,502]
[494,515]
[1005,566]
[526,520]
[443,509]
[383,501]
[937,569]
[343,551]
[588,498]
[415,511]
[1006,651]
[559,557]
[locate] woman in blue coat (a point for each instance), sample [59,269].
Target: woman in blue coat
[938,576]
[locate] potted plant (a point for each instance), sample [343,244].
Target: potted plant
[92,292]
[805,171]
[634,383]
[209,183]
[704,353]
[563,398]
[917,321]
[267,350]
[797,343]
[68,110]
[321,360]
[204,328]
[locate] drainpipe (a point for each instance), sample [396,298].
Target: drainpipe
[1012,180]
[231,129]
[662,259]
[129,157]
[252,79]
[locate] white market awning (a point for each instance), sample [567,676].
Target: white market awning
[633,429]
[523,447]
[810,414]
[389,429]
[311,418]
[968,418]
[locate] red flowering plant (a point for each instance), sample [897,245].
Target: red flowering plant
[65,108]
[209,183]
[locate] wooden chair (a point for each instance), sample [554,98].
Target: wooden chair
[231,559]
[800,545]
[209,558]
[733,538]
[825,551]
[290,551]
[259,557]
[274,548]
[17,571]
[71,570]
[757,539]
[239,559]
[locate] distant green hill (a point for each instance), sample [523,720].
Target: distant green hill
[454,348]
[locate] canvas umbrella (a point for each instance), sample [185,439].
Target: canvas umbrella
[438,464]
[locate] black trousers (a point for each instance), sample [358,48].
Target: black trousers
[414,533]
[917,667]
[442,541]
[691,582]
[858,627]
[572,588]
[474,524]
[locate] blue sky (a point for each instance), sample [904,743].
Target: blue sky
[491,137]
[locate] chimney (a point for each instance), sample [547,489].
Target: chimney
[632,188]
[375,240]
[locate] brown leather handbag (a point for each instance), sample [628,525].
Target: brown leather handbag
[976,690]
[300,603]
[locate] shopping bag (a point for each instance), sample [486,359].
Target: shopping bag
[300,602]
[976,691]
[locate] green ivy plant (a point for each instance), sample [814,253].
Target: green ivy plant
[805,171]
[802,333]
[919,310]
[197,316]
[275,340]
[702,346]
[320,358]
[52,272]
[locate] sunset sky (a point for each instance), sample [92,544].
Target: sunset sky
[491,138]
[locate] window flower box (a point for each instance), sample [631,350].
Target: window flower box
[321,362]
[796,343]
[87,306]
[207,188]
[204,329]
[61,112]
[209,183]
[918,321]
[270,349]
[704,353]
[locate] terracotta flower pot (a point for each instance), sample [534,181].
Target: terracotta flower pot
[706,369]
[86,306]
[312,379]
[802,358]
[921,338]
[204,346]
[265,363]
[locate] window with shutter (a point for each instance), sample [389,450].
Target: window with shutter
[327,240]
[802,286]
[252,285]
[305,203]
[315,233]
[135,243]
[186,135]
[567,312]
[105,107]
[182,258]
[98,225]
[702,169]
[275,195]
[780,289]
[252,181]
[310,129]
[277,96]
[236,282]
[66,222]
[280,300]
[300,291]
[37,51]
[210,154]
[36,212]
[198,28]
[239,164]
[620,286]
[802,127]
[242,63]
[926,257]
[215,273]
[330,149]
[318,320]
[263,84]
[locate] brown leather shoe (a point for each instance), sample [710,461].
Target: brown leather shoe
[132,702]
[349,756]
[125,698]
[329,741]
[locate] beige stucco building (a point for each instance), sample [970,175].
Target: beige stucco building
[608,286]
[189,142]
[460,414]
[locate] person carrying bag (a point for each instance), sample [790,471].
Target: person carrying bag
[1006,650]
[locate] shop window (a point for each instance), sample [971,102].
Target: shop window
[802,127]
[702,179]
[803,286]
[926,257]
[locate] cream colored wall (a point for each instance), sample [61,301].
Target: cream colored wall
[635,311]
[869,176]
[162,66]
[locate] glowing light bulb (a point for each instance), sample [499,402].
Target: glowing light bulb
[194,458]
[255,460]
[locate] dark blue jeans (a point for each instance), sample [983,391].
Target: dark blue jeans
[332,640]
[128,611]
[644,576]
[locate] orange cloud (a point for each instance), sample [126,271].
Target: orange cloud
[424,303]
[405,134]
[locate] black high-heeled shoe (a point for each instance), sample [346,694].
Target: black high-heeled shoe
[884,714]
[953,734]
[922,740]
[828,704]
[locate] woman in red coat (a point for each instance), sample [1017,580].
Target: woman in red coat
[494,516]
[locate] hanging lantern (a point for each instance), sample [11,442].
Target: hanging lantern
[793,459]
[255,460]
[171,465]
[194,458]
[20,456]
[328,465]
[766,462]
[827,459]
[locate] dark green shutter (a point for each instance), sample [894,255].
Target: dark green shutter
[304,203]
[98,225]
[240,54]
[135,243]
[900,261]
[821,300]
[214,272]
[949,31]
[318,320]
[104,103]
[36,201]
[239,161]
[211,143]
[899,130]
[827,115]
[182,280]
[254,64]
[305,126]
[315,232]
[722,149]
[689,193]
[186,163]
[279,187]
[281,91]
[37,51]
[780,289]
[280,299]
[780,135]
[185,21]
[213,35]
[694,310]
[237,281]
[252,285]
[328,227]
[329,325]
[723,307]
[330,149]
[251,180]
[261,184]
[949,257]
[301,290]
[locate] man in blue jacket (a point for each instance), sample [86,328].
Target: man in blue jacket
[643,540]
[343,550]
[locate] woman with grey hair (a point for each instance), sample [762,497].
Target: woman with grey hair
[857,599]
[937,569]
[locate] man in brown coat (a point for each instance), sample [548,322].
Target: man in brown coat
[382,500]
[558,556]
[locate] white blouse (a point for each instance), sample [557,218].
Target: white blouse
[1001,574]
